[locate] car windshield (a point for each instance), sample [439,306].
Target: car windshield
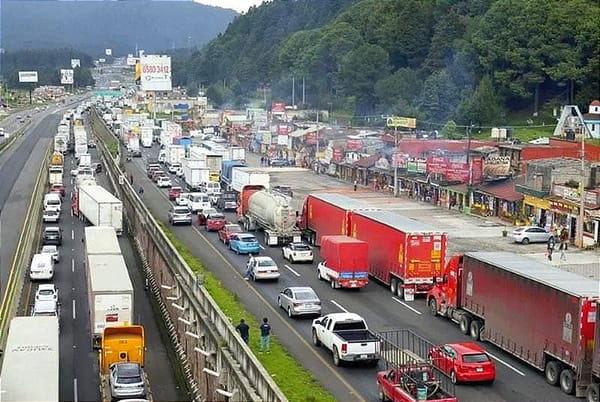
[45,292]
[301,247]
[305,295]
[181,210]
[49,249]
[217,216]
[51,231]
[199,198]
[476,358]
[53,202]
[249,239]
[234,228]
[266,263]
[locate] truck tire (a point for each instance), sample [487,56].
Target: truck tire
[315,338]
[332,284]
[432,306]
[592,393]
[552,372]
[380,394]
[394,286]
[465,324]
[336,357]
[475,330]
[567,381]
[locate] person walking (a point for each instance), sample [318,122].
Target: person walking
[141,192]
[355,185]
[563,248]
[550,247]
[249,265]
[244,330]
[265,336]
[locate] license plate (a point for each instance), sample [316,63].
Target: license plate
[479,370]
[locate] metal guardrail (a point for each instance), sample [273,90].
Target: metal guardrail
[194,297]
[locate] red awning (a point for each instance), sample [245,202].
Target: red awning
[504,190]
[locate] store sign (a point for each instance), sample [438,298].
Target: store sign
[338,155]
[407,122]
[66,76]
[399,160]
[278,107]
[28,76]
[282,130]
[156,73]
[311,138]
[497,166]
[416,165]
[452,170]
[354,145]
[573,194]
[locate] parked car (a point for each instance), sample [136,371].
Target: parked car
[58,188]
[174,192]
[244,243]
[203,215]
[46,291]
[297,252]
[126,380]
[164,182]
[52,235]
[215,221]
[279,162]
[51,216]
[299,300]
[97,167]
[179,172]
[51,249]
[91,144]
[151,169]
[263,268]
[531,234]
[228,231]
[179,214]
[464,362]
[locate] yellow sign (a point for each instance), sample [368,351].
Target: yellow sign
[407,122]
[536,202]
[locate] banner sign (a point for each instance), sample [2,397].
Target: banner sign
[416,165]
[311,138]
[156,73]
[278,107]
[452,170]
[407,122]
[66,76]
[399,160]
[497,166]
[75,63]
[282,130]
[28,76]
[354,145]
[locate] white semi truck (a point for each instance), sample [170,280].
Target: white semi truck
[100,207]
[195,173]
[146,134]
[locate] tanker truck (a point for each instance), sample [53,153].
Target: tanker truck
[260,209]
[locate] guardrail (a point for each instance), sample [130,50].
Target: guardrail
[216,356]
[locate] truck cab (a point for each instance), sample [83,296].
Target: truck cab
[444,296]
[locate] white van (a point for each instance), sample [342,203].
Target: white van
[52,202]
[42,267]
[212,187]
[198,201]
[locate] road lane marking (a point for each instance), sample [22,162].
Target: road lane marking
[74,315]
[516,370]
[75,389]
[339,306]
[72,265]
[72,234]
[291,270]
[414,310]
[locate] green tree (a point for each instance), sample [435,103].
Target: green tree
[482,107]
[360,70]
[450,131]
[438,98]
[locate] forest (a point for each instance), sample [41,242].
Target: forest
[474,62]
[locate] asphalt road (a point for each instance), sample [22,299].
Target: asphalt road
[515,380]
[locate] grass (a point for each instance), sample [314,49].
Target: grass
[295,382]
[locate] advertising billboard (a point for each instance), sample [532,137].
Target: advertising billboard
[108,52]
[156,73]
[75,63]
[66,76]
[28,76]
[407,122]
[278,107]
[131,61]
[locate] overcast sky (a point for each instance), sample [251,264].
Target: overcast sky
[238,5]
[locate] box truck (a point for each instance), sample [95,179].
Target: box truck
[101,240]
[345,262]
[195,173]
[147,136]
[593,390]
[100,207]
[227,171]
[174,154]
[246,176]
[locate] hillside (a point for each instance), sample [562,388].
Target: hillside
[92,26]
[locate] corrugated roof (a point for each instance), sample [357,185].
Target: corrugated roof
[400,222]
[504,190]
[342,201]
[541,272]
[367,162]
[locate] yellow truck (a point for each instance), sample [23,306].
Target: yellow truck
[57,159]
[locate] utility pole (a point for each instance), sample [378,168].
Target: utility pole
[317,151]
[303,93]
[293,90]
[581,193]
[395,161]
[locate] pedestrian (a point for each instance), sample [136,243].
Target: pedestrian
[355,185]
[563,248]
[141,192]
[244,330]
[249,265]
[265,336]
[550,247]
[262,161]
[131,179]
[564,237]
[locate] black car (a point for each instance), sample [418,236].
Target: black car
[279,162]
[52,235]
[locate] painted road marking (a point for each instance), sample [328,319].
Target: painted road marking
[414,310]
[75,389]
[516,370]
[72,234]
[72,265]
[74,314]
[291,270]
[340,306]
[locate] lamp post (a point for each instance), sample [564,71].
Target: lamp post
[581,194]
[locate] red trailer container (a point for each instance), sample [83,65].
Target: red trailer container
[325,214]
[345,262]
[405,254]
[538,313]
[593,390]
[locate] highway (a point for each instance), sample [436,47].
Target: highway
[515,380]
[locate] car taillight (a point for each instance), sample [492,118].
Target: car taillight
[344,347]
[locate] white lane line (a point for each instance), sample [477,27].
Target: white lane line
[72,265]
[291,270]
[513,368]
[74,315]
[407,306]
[339,306]
[72,234]
[75,389]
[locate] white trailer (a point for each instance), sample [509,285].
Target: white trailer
[60,142]
[243,176]
[55,175]
[110,294]
[100,207]
[175,153]
[30,369]
[146,135]
[236,153]
[133,146]
[101,240]
[195,173]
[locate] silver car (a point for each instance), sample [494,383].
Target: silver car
[126,381]
[179,214]
[531,234]
[298,300]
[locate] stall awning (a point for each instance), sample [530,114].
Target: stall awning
[504,190]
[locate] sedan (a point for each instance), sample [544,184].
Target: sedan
[51,249]
[463,362]
[228,231]
[164,182]
[47,292]
[297,252]
[279,162]
[158,174]
[174,192]
[298,300]
[244,243]
[182,199]
[126,381]
[215,221]
[203,215]
[174,167]
[530,234]
[51,215]
[179,214]
[263,268]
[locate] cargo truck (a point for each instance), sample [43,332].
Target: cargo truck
[133,146]
[57,159]
[100,207]
[110,293]
[408,255]
[409,376]
[30,367]
[260,209]
[326,214]
[174,154]
[246,176]
[538,313]
[236,153]
[147,136]
[55,175]
[195,173]
[227,171]
[60,142]
[101,240]
[593,390]
[345,262]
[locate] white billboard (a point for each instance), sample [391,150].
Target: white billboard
[75,63]
[108,52]
[101,60]
[131,60]
[28,76]
[156,73]
[66,76]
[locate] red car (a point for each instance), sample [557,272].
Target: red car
[174,193]
[215,221]
[58,188]
[464,362]
[228,231]
[203,215]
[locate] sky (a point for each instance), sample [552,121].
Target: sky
[238,5]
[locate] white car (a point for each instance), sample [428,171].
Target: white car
[182,199]
[297,252]
[263,268]
[164,182]
[179,172]
[46,292]
[51,215]
[51,249]
[74,172]
[174,167]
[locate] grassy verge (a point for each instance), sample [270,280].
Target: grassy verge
[295,382]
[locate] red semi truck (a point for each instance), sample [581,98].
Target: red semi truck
[404,254]
[593,390]
[538,313]
[345,262]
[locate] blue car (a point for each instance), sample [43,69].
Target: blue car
[244,243]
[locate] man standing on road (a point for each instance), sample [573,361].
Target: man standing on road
[265,336]
[249,265]
[244,330]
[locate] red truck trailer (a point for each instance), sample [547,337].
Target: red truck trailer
[540,314]
[326,214]
[404,254]
[593,390]
[345,262]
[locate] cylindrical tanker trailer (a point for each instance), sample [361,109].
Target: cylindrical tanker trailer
[260,209]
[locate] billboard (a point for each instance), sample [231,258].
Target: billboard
[66,76]
[407,122]
[455,170]
[497,166]
[28,76]
[131,61]
[102,60]
[108,52]
[75,63]
[155,73]
[278,107]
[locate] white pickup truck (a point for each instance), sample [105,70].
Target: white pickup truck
[348,338]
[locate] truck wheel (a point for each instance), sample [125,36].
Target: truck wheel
[592,394]
[315,338]
[432,306]
[394,286]
[380,394]
[475,330]
[332,284]
[336,357]
[567,381]
[465,324]
[552,372]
